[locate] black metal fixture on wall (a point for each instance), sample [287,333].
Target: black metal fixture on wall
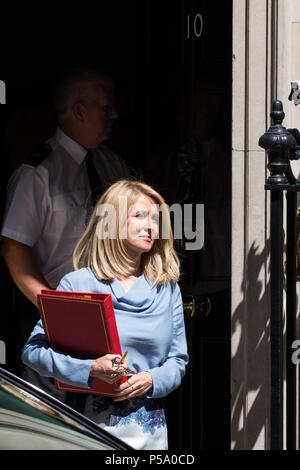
[282,146]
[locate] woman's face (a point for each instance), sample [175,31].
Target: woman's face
[142,225]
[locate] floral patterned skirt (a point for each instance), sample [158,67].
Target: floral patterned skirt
[140,422]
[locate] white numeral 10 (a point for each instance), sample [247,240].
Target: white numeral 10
[194,28]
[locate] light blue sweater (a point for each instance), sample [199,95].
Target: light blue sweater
[151,328]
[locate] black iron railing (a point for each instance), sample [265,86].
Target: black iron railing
[282,146]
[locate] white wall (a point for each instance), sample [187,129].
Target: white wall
[255,82]
[289,62]
[250,234]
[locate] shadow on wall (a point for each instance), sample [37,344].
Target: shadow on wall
[250,356]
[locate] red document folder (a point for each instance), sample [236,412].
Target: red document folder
[82,325]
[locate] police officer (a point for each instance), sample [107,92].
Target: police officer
[49,197]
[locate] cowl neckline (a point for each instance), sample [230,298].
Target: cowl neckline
[140,294]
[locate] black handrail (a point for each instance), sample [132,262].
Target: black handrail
[281,146]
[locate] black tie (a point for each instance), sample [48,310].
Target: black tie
[95,183]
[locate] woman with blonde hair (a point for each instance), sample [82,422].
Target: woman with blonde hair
[127,251]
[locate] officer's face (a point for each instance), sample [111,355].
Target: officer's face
[99,115]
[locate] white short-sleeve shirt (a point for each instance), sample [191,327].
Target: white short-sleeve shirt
[47,205]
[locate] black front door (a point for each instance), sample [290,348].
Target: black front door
[187,109]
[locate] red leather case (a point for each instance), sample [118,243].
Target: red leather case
[83,325]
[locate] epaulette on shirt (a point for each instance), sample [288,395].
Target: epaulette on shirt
[38,156]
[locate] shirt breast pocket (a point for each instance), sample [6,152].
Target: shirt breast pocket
[69,213]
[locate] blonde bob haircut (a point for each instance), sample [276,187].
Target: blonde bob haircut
[106,256]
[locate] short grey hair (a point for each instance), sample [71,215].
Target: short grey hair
[72,85]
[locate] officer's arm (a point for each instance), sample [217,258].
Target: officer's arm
[23,268]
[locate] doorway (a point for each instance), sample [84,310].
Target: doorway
[171,63]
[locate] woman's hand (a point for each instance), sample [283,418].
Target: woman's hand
[104,369]
[137,385]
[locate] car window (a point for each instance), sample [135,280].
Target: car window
[30,419]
